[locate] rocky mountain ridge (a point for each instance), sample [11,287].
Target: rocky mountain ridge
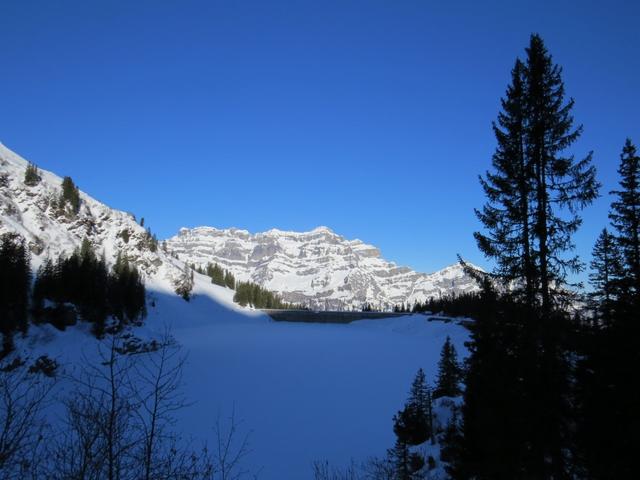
[319,269]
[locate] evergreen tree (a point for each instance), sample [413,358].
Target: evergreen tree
[608,389]
[404,463]
[70,195]
[216,273]
[448,384]
[229,280]
[625,218]
[413,424]
[184,284]
[507,213]
[519,356]
[561,184]
[605,266]
[15,284]
[31,175]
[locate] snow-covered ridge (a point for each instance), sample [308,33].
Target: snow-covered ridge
[30,211]
[318,268]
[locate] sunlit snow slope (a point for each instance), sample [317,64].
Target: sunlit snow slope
[305,391]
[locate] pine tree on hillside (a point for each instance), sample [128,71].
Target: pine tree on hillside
[70,195]
[604,278]
[625,218]
[31,175]
[229,280]
[448,383]
[184,284]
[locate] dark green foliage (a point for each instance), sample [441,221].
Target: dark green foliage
[413,424]
[625,219]
[249,293]
[15,283]
[150,241]
[126,292]
[509,190]
[607,385]
[125,235]
[31,175]
[516,414]
[449,374]
[604,278]
[450,441]
[84,281]
[367,307]
[229,280]
[535,191]
[70,196]
[404,463]
[461,305]
[217,274]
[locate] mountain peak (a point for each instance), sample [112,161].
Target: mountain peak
[319,268]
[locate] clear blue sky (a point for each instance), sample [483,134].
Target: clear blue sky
[370,117]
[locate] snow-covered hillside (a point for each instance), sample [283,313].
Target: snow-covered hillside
[31,212]
[305,391]
[319,268]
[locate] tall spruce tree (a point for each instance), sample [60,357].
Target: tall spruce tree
[448,383]
[625,218]
[413,424]
[535,190]
[506,215]
[604,278]
[533,195]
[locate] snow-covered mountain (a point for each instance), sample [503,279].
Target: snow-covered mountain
[271,374]
[31,211]
[320,268]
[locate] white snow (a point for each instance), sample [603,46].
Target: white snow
[318,268]
[306,391]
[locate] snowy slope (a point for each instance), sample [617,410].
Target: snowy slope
[306,391]
[28,211]
[319,268]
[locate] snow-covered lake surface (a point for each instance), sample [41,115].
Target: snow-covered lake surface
[305,391]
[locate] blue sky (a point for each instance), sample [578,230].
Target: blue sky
[370,117]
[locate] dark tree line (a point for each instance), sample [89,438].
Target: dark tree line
[460,305]
[78,285]
[15,286]
[219,275]
[249,293]
[608,388]
[84,280]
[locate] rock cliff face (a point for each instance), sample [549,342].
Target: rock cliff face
[320,268]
